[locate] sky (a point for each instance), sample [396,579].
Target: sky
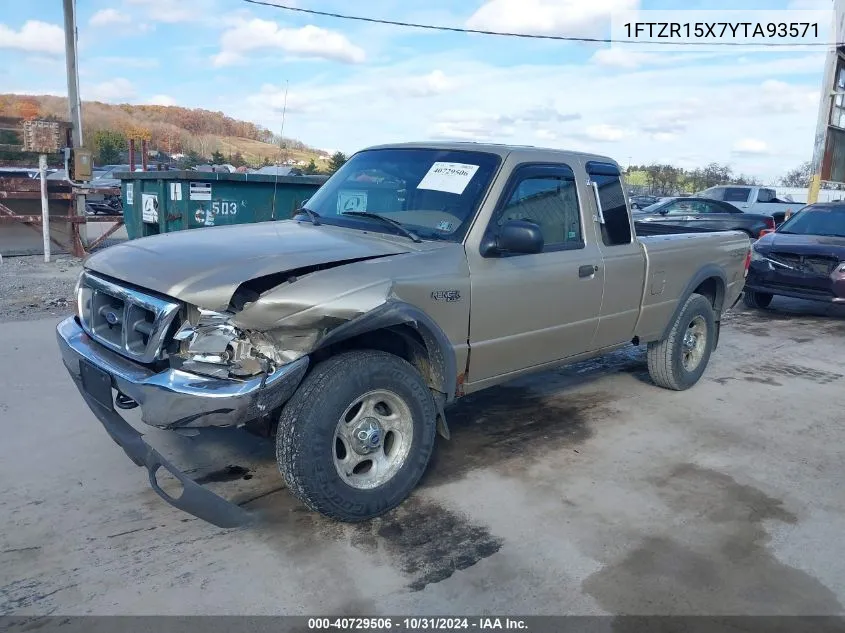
[351,84]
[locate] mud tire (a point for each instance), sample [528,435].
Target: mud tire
[665,358]
[305,439]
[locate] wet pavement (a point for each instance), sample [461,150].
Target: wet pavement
[582,490]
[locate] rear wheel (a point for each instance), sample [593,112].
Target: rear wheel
[758,300]
[678,361]
[357,435]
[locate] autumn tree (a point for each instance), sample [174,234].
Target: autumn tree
[336,161]
[108,144]
[137,132]
[28,109]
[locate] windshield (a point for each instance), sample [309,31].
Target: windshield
[434,193]
[816,220]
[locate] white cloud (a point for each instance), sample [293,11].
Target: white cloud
[434,83]
[620,58]
[308,41]
[605,133]
[579,18]
[665,114]
[172,12]
[750,146]
[664,137]
[162,100]
[471,126]
[109,17]
[781,97]
[810,5]
[34,37]
[115,90]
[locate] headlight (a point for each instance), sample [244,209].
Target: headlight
[756,256]
[214,347]
[841,268]
[81,297]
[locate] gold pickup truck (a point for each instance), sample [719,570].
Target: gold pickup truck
[417,274]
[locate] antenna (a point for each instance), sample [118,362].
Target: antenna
[282,149]
[284,113]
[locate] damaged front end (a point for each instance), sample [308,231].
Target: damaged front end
[210,344]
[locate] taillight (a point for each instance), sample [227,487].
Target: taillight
[765,232]
[747,261]
[770,222]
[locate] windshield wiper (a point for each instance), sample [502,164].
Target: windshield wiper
[366,214]
[312,215]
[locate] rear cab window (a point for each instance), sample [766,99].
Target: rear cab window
[736,194]
[606,181]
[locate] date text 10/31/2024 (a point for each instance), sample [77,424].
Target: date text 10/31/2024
[417,624]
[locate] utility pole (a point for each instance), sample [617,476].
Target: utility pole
[826,101]
[73,100]
[72,72]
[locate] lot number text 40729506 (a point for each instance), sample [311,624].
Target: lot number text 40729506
[417,624]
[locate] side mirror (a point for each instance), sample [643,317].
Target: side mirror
[515,236]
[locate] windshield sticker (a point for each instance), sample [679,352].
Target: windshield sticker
[445,226]
[448,177]
[351,201]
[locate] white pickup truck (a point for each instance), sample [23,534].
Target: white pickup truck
[762,200]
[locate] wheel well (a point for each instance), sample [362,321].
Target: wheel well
[400,340]
[714,289]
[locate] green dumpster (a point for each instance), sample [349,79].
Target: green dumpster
[164,201]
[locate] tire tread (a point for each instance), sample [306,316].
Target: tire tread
[661,354]
[293,435]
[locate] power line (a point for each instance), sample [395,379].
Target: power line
[560,38]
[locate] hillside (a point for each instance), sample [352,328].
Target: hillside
[170,129]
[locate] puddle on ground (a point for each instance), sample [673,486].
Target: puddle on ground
[781,370]
[732,574]
[230,473]
[422,540]
[507,427]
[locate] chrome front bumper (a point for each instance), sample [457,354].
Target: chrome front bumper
[173,399]
[178,399]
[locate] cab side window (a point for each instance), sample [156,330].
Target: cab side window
[547,197]
[607,181]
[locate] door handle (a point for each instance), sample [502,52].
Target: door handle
[587,271]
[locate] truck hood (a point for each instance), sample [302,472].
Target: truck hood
[802,244]
[204,267]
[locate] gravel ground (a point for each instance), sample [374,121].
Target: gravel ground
[33,289]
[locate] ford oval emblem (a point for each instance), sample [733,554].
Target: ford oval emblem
[111,317]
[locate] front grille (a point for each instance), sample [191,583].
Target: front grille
[810,264]
[130,322]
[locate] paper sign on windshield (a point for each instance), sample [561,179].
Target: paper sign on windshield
[448,177]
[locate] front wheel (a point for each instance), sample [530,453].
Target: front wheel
[758,300]
[678,361]
[357,435]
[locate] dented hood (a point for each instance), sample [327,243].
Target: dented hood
[204,267]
